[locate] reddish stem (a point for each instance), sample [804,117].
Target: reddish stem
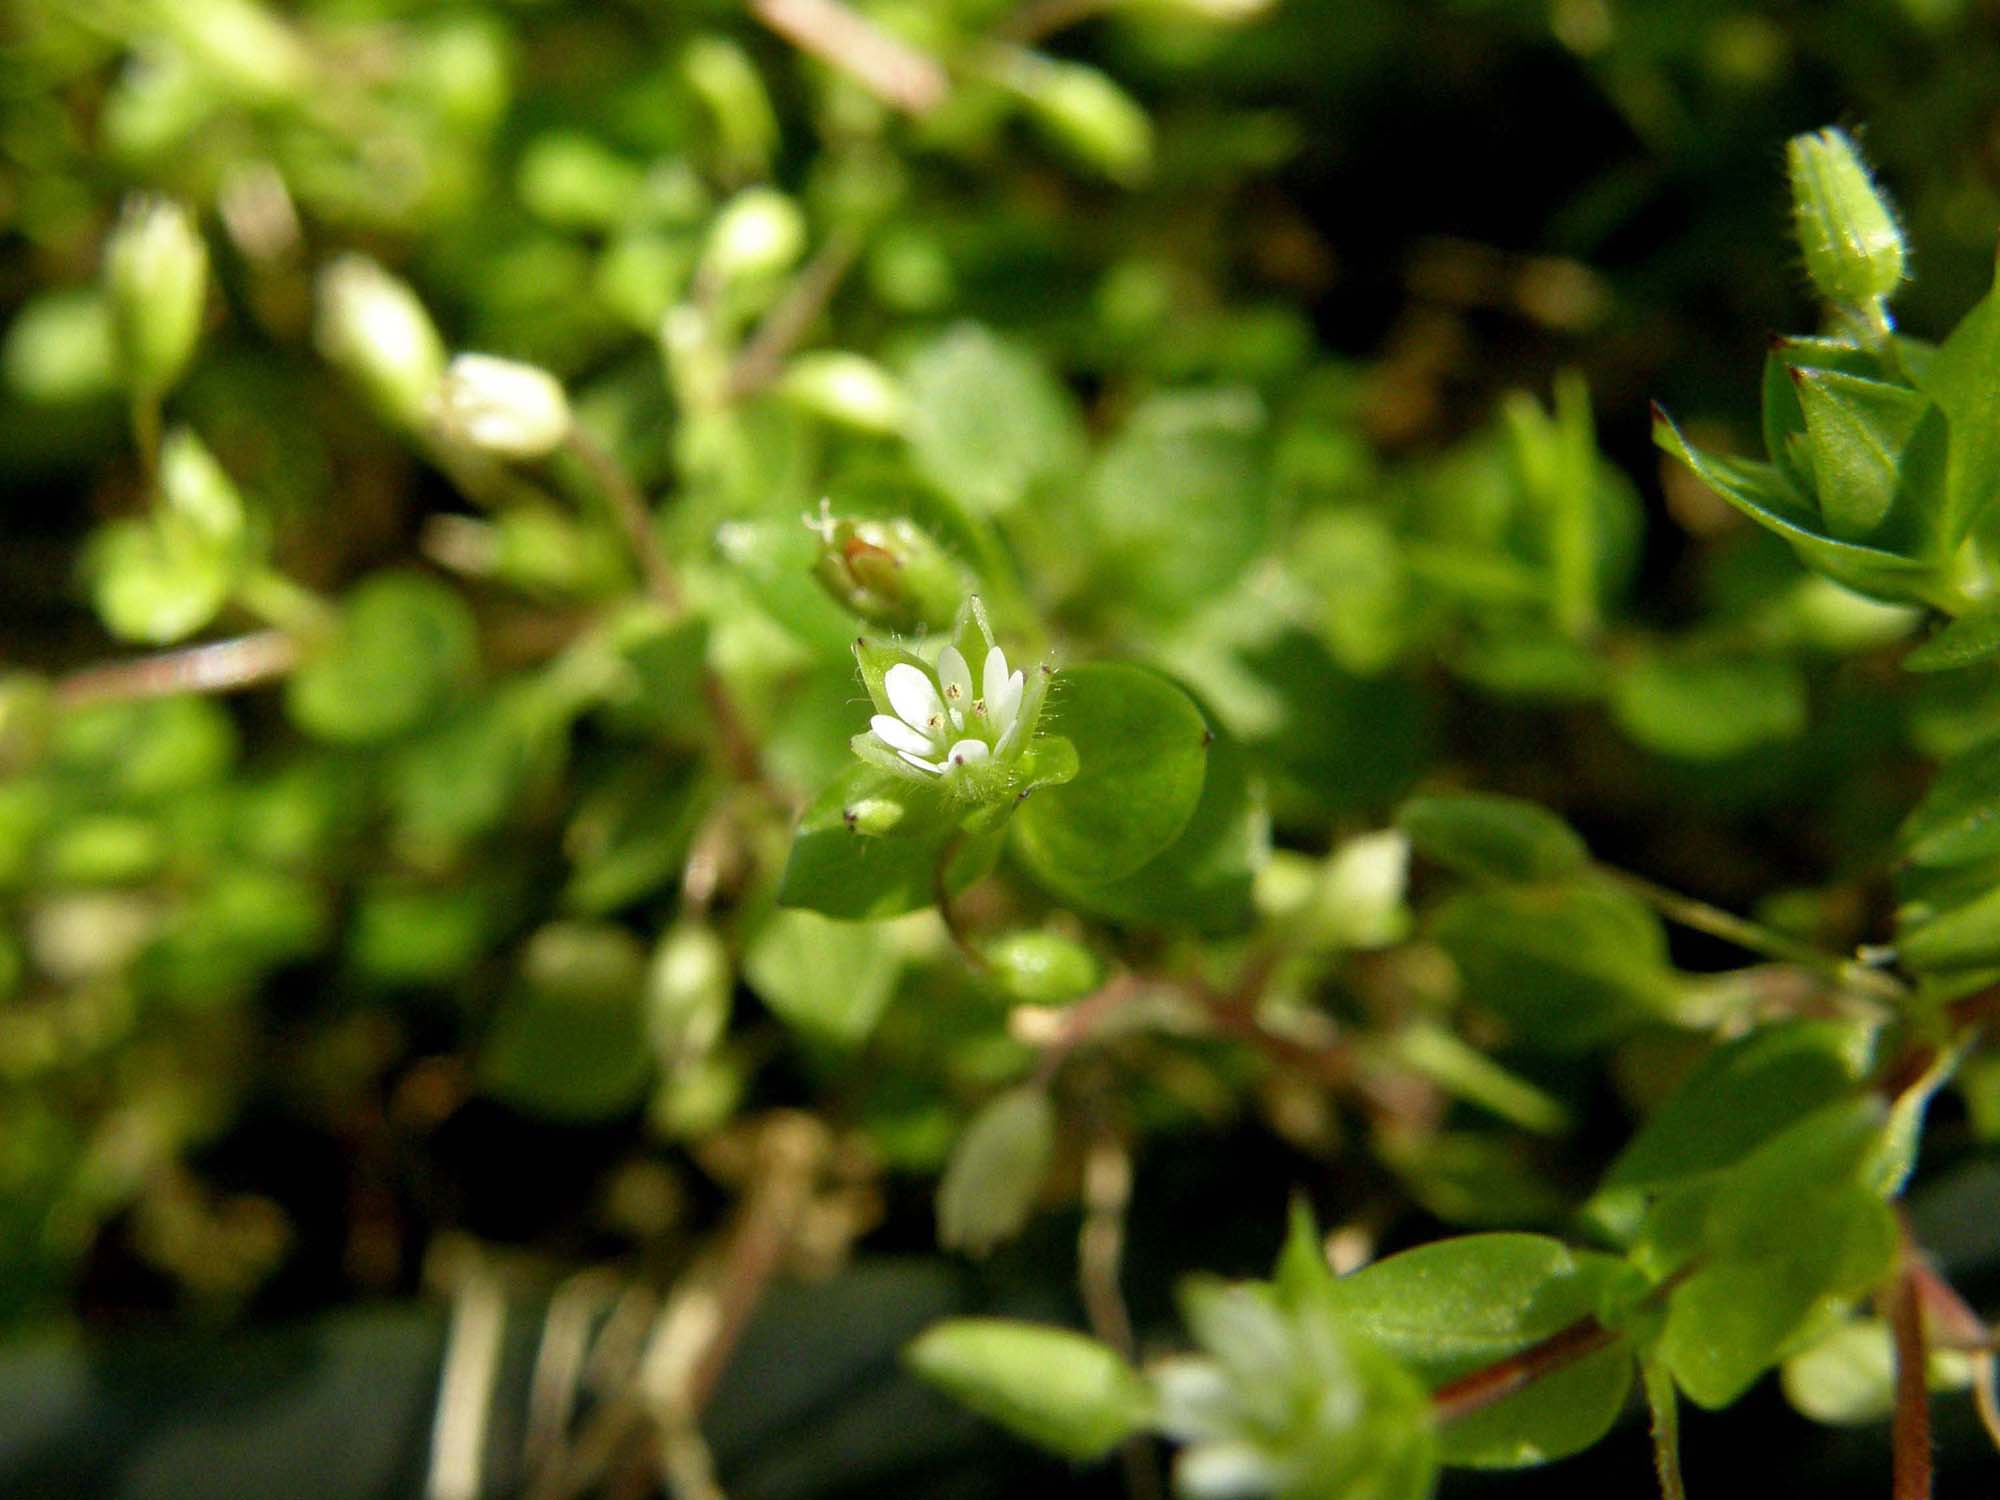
[1910,1435]
[1501,1379]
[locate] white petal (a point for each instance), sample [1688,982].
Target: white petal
[899,736]
[1003,703]
[913,696]
[936,768]
[995,675]
[953,673]
[968,752]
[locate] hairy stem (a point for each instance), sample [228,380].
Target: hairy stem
[1664,1404]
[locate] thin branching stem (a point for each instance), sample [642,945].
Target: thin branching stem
[1754,937]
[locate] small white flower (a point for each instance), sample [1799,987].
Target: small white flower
[938,723]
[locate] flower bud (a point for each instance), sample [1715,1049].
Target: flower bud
[688,986]
[845,388]
[889,572]
[195,487]
[759,233]
[1848,233]
[502,407]
[156,277]
[727,81]
[373,327]
[1042,968]
[1087,113]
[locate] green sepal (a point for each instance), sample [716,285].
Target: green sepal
[1762,493]
[1871,443]
[870,845]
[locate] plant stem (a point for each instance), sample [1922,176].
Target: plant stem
[146,432]
[1501,1379]
[229,666]
[888,67]
[789,322]
[1100,1247]
[1665,1406]
[635,522]
[1754,937]
[961,938]
[634,518]
[1910,1435]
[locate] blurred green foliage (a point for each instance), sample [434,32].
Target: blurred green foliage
[474,475]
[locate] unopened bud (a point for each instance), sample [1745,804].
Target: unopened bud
[872,817]
[1848,234]
[889,572]
[195,487]
[156,277]
[845,388]
[1086,112]
[373,327]
[1042,968]
[241,45]
[727,81]
[759,233]
[688,988]
[502,407]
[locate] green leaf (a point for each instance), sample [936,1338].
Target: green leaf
[1567,967]
[569,1040]
[1142,749]
[1458,1305]
[1961,937]
[1972,638]
[870,844]
[996,1171]
[1762,493]
[1964,380]
[1180,498]
[1864,437]
[827,980]
[158,581]
[1058,1389]
[986,420]
[1958,820]
[1741,1095]
[406,933]
[1496,838]
[1709,708]
[403,646]
[1202,881]
[1789,1234]
[629,836]
[1848,1378]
